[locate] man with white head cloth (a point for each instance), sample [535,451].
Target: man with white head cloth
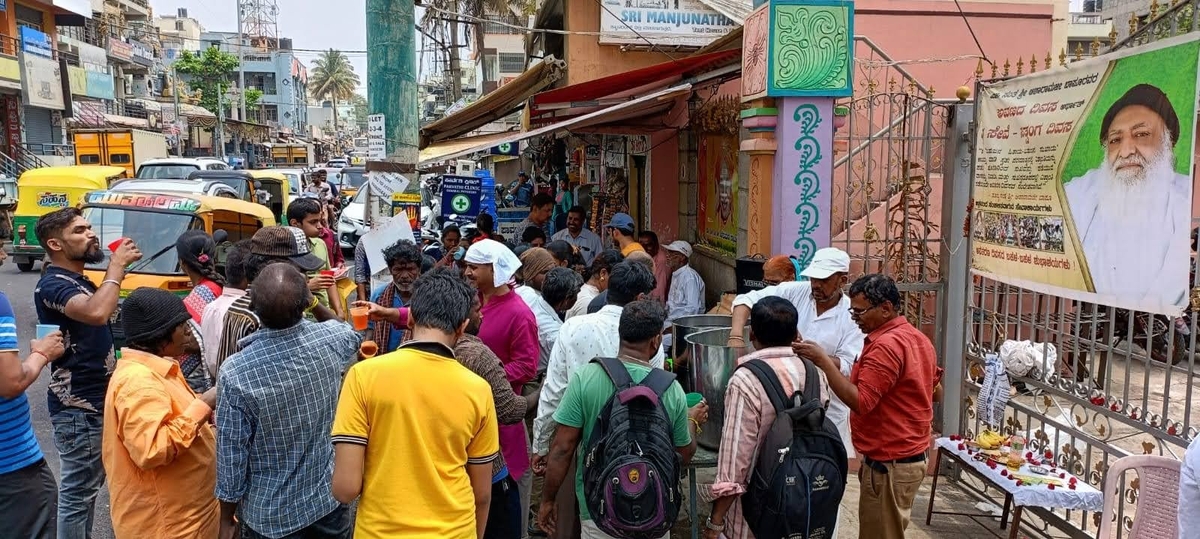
[509,328]
[1133,212]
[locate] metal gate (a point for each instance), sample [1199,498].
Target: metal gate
[887,186]
[1113,391]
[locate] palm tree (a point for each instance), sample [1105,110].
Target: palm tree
[333,78]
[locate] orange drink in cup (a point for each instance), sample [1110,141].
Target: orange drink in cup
[368,349]
[358,315]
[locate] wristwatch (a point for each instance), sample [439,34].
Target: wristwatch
[708,523]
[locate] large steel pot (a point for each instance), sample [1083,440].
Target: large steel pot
[680,350]
[712,363]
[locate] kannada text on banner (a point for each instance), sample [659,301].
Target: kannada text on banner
[1082,183]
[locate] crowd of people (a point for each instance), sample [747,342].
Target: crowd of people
[499,390]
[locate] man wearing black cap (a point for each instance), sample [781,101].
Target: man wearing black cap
[269,245]
[1132,213]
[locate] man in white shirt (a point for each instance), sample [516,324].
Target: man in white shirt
[536,262]
[824,317]
[1133,212]
[588,242]
[579,340]
[685,297]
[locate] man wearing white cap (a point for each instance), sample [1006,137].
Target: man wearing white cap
[824,317]
[685,297]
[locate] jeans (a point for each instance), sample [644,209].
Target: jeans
[335,525]
[504,514]
[77,436]
[28,502]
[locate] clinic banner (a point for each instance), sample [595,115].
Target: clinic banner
[1083,179]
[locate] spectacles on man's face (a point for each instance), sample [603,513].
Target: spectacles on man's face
[858,312]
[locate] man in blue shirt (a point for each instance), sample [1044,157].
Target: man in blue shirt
[522,191]
[28,494]
[64,297]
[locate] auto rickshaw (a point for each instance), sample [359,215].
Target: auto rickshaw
[241,180]
[279,189]
[156,220]
[43,190]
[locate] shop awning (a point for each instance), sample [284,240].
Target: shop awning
[495,105]
[737,10]
[588,94]
[656,103]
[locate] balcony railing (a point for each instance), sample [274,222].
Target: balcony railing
[1087,18]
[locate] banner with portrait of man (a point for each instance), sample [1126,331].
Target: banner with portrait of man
[1083,178]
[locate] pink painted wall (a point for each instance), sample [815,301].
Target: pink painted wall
[920,29]
[664,184]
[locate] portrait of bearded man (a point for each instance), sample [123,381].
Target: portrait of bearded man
[1133,212]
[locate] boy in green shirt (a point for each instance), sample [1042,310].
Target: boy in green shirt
[307,214]
[590,389]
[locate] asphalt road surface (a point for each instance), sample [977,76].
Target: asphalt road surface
[19,289]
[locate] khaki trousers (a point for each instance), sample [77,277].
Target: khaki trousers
[885,500]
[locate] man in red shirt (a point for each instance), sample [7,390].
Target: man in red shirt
[890,395]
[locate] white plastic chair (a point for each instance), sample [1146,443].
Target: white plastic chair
[1158,497]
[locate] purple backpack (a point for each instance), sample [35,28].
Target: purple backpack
[630,467]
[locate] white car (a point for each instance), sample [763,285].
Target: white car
[177,168]
[337,163]
[353,222]
[189,187]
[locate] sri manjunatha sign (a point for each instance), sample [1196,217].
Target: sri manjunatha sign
[661,22]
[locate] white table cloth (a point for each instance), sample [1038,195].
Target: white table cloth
[1084,497]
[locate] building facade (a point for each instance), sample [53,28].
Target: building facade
[278,73]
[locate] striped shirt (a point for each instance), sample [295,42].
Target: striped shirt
[18,446]
[239,323]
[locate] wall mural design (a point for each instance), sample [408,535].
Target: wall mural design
[810,48]
[808,116]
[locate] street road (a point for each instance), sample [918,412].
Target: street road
[19,289]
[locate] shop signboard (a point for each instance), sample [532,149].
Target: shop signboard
[120,50]
[142,53]
[42,81]
[461,196]
[1083,179]
[35,42]
[687,23]
[91,57]
[100,85]
[12,125]
[506,148]
[718,202]
[376,137]
[78,78]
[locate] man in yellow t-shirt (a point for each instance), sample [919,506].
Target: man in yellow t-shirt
[415,431]
[621,231]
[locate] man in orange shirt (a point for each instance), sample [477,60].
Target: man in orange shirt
[890,396]
[159,448]
[621,231]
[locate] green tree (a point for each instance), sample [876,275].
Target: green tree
[333,78]
[360,110]
[210,71]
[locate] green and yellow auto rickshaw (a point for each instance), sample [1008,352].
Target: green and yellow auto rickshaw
[43,190]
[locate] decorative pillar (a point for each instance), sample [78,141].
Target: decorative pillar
[808,57]
[759,120]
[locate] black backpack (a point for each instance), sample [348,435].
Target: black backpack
[630,467]
[800,473]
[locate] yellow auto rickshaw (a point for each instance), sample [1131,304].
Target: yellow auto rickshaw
[156,220]
[43,190]
[279,189]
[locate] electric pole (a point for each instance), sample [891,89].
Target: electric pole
[392,77]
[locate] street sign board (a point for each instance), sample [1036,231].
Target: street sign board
[461,196]
[376,137]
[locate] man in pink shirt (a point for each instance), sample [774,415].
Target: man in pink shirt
[510,330]
[662,270]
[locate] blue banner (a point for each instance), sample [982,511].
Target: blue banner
[506,148]
[100,85]
[35,42]
[460,196]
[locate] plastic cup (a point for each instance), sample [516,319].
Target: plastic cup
[116,244]
[328,273]
[368,349]
[45,329]
[358,315]
[694,399]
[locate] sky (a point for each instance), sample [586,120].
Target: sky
[311,24]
